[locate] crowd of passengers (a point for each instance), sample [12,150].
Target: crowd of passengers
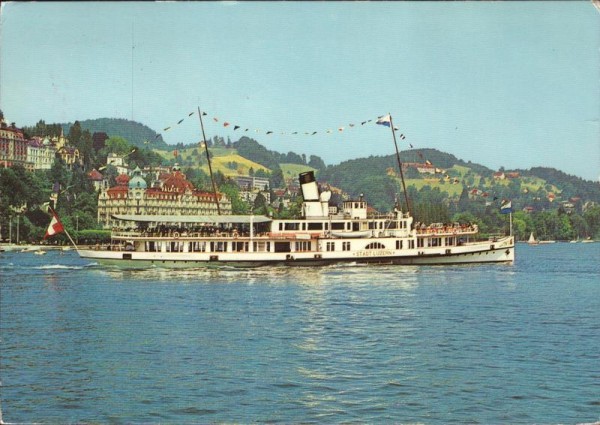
[445,228]
[176,231]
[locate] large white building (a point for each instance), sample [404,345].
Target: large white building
[41,153]
[172,195]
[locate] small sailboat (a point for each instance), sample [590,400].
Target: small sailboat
[532,240]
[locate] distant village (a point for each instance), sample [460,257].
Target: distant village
[157,190]
[166,190]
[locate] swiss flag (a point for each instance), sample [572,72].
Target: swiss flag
[54,227]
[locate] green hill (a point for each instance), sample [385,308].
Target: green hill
[135,133]
[376,176]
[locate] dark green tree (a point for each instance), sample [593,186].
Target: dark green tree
[260,204]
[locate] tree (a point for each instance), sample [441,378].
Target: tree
[260,204]
[59,173]
[277,180]
[316,163]
[412,173]
[592,218]
[116,144]
[238,205]
[75,134]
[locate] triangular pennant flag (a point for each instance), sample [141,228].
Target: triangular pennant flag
[314,133]
[166,129]
[180,121]
[190,114]
[236,127]
[225,124]
[269,132]
[204,114]
[216,119]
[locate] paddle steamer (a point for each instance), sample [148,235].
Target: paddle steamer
[317,238]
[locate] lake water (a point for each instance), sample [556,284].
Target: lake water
[489,344]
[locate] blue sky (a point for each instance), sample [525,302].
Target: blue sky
[513,84]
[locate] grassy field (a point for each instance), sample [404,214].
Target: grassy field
[292,170]
[243,165]
[451,189]
[222,160]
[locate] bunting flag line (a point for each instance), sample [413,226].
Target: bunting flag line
[382,120]
[385,120]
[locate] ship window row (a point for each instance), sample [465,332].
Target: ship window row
[409,245]
[435,242]
[178,246]
[339,225]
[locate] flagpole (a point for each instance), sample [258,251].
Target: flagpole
[212,179]
[510,221]
[400,165]
[72,241]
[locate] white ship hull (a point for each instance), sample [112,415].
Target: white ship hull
[500,251]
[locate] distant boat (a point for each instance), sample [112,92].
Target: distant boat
[589,240]
[546,242]
[40,252]
[532,240]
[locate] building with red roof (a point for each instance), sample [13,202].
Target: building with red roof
[173,195]
[13,146]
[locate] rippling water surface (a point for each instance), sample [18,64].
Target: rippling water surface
[464,344]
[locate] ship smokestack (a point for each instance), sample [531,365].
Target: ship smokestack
[312,206]
[310,190]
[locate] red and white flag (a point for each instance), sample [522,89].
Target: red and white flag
[55,226]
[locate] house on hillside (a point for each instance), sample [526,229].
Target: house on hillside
[70,156]
[118,162]
[97,179]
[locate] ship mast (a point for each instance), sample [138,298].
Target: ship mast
[400,165]
[212,178]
